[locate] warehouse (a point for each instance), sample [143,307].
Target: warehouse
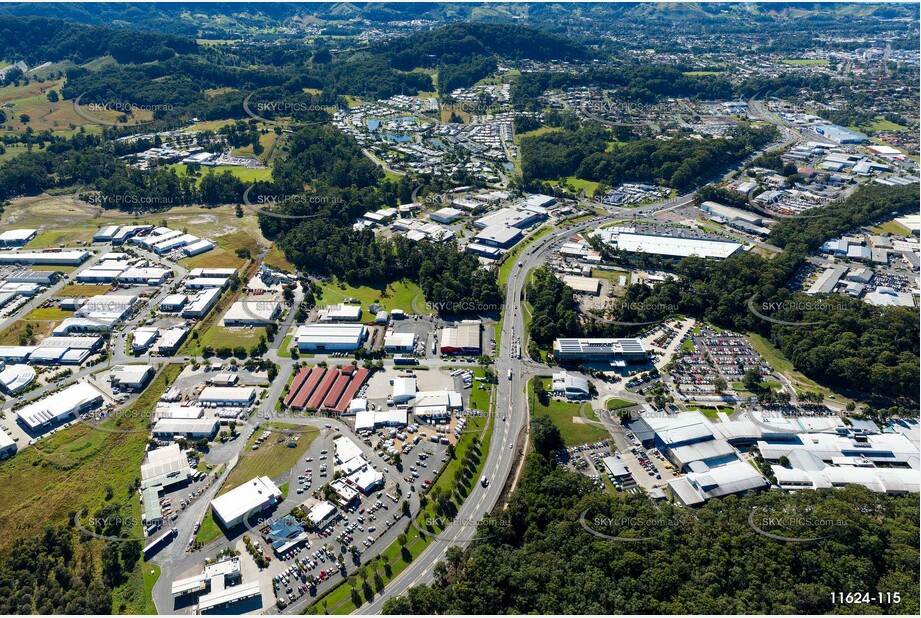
[170,340]
[198,247]
[330,337]
[173,303]
[202,303]
[252,313]
[446,215]
[50,258]
[205,283]
[461,339]
[828,280]
[340,313]
[164,467]
[732,214]
[404,390]
[676,246]
[43,278]
[736,478]
[570,386]
[228,395]
[62,350]
[368,420]
[436,404]
[498,236]
[144,276]
[617,352]
[14,378]
[7,446]
[131,377]
[17,238]
[192,428]
[840,134]
[65,404]
[232,508]
[396,343]
[583,285]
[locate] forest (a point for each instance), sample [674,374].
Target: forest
[709,560]
[681,163]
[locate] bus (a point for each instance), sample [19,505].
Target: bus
[405,360]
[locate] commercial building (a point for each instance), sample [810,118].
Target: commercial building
[446,215]
[839,134]
[164,467]
[688,438]
[131,377]
[170,341]
[735,478]
[65,404]
[14,378]
[340,313]
[222,585]
[436,404]
[17,238]
[368,420]
[228,395]
[498,236]
[616,352]
[570,386]
[404,390]
[321,514]
[62,350]
[7,446]
[200,304]
[464,338]
[173,303]
[395,343]
[676,246]
[191,428]
[583,285]
[49,258]
[828,280]
[231,508]
[252,313]
[330,337]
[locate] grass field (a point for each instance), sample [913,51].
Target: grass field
[398,295]
[48,313]
[586,186]
[71,470]
[40,330]
[892,227]
[82,290]
[618,404]
[562,414]
[225,254]
[273,457]
[224,336]
[536,133]
[60,117]
[276,259]
[701,73]
[879,124]
[245,174]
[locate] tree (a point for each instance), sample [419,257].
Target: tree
[720,384]
[545,436]
[53,96]
[752,379]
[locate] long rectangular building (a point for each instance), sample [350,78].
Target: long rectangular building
[617,352]
[65,404]
[330,337]
[231,508]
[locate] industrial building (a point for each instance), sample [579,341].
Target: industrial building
[330,337]
[73,257]
[436,404]
[828,280]
[252,313]
[676,246]
[238,396]
[200,304]
[62,350]
[7,446]
[498,236]
[191,428]
[163,468]
[17,238]
[689,438]
[396,343]
[840,135]
[616,352]
[65,404]
[14,378]
[332,389]
[220,586]
[254,496]
[170,341]
[464,338]
[583,285]
[572,387]
[340,313]
[131,377]
[704,483]
[446,215]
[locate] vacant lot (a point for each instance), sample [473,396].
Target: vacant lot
[274,457]
[397,295]
[566,417]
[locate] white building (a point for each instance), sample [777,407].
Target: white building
[67,403]
[395,343]
[131,377]
[340,313]
[252,313]
[250,498]
[228,395]
[570,386]
[330,337]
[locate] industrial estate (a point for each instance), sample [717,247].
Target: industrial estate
[378,297]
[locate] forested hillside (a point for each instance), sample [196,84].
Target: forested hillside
[710,560]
